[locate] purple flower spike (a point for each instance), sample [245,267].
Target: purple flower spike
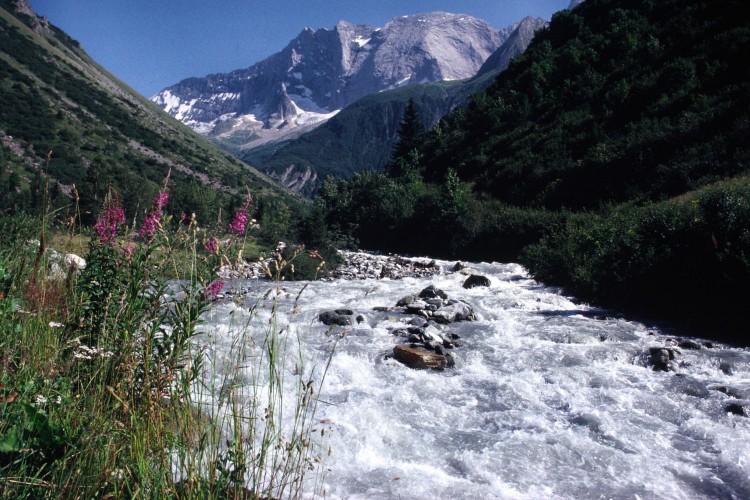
[239,223]
[212,246]
[213,289]
[106,225]
[151,222]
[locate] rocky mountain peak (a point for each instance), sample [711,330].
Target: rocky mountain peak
[516,43]
[321,71]
[39,24]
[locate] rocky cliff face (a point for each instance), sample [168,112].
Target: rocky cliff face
[322,71]
[362,136]
[37,23]
[516,43]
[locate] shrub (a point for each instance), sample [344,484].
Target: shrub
[684,258]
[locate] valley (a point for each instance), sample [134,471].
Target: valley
[426,259]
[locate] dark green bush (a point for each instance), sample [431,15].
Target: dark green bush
[686,258]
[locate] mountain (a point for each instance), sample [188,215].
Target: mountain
[362,135]
[65,116]
[516,43]
[322,71]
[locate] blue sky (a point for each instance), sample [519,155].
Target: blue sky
[151,44]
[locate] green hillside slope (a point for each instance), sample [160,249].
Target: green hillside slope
[100,132]
[361,137]
[615,101]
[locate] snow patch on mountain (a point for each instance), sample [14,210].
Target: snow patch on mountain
[322,71]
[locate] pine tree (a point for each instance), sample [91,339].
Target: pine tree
[406,155]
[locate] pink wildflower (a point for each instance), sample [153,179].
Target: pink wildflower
[127,252]
[151,222]
[148,227]
[106,225]
[238,224]
[213,289]
[160,201]
[212,246]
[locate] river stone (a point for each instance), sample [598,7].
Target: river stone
[405,301]
[661,358]
[459,311]
[448,343]
[451,359]
[431,334]
[417,321]
[416,306]
[435,302]
[417,358]
[476,280]
[458,266]
[340,317]
[689,344]
[432,292]
[726,367]
[737,409]
[732,392]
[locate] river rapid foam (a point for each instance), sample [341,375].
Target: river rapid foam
[549,398]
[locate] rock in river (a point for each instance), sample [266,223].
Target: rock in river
[417,358]
[458,311]
[340,317]
[476,280]
[660,358]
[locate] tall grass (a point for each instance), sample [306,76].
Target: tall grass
[109,387]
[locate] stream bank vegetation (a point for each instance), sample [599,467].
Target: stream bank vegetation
[108,385]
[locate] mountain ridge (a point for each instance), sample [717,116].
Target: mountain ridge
[362,135]
[321,71]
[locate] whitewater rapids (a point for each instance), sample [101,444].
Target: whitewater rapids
[549,398]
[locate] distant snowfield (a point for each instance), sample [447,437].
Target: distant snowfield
[308,113]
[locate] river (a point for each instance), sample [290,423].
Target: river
[549,398]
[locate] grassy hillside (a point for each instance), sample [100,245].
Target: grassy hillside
[613,102]
[66,117]
[610,158]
